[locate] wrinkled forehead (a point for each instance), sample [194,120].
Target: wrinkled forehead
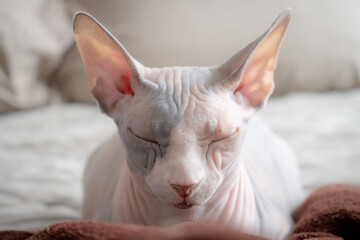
[175,86]
[180,79]
[179,90]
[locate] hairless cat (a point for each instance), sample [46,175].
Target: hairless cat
[188,147]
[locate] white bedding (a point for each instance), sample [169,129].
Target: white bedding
[43,151]
[42,154]
[324,131]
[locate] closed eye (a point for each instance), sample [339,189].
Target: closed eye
[221,149]
[226,137]
[147,140]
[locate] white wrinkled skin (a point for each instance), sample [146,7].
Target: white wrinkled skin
[250,190]
[181,126]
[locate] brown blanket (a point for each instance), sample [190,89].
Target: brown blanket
[330,213]
[106,231]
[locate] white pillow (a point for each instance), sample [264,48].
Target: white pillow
[33,38]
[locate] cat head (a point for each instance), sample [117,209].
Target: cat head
[182,127]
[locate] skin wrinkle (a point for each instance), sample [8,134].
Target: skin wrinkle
[142,207]
[135,201]
[185,92]
[132,204]
[171,89]
[196,93]
[231,196]
[178,88]
[125,201]
[216,154]
[153,157]
[109,178]
[231,203]
[217,161]
[162,82]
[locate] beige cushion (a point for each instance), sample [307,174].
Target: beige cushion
[33,38]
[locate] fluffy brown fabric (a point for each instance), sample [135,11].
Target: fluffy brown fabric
[15,235]
[89,230]
[330,213]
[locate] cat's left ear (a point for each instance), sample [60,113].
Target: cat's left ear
[113,74]
[249,73]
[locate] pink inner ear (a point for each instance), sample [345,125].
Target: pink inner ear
[116,70]
[107,63]
[257,81]
[126,86]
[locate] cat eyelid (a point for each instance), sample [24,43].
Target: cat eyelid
[223,138]
[146,140]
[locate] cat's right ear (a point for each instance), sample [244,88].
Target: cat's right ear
[113,75]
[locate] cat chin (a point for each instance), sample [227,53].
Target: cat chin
[190,203]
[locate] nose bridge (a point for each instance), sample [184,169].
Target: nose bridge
[184,166]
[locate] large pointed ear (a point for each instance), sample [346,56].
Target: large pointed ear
[112,72]
[250,71]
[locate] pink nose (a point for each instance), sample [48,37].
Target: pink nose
[183,190]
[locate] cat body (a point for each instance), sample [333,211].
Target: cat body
[188,147]
[252,199]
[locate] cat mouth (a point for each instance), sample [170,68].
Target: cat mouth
[184,205]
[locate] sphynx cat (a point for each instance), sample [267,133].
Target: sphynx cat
[188,147]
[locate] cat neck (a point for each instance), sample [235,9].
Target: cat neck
[232,204]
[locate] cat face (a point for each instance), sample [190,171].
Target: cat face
[190,134]
[182,127]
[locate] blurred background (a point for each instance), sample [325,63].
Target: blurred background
[39,60]
[48,128]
